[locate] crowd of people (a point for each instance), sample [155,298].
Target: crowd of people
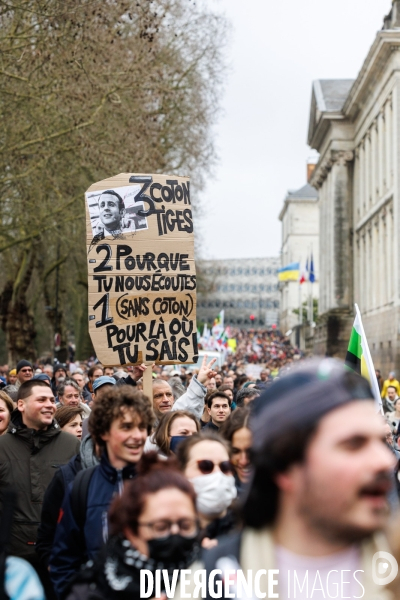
[292,470]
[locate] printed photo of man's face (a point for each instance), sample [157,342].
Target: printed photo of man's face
[111,213]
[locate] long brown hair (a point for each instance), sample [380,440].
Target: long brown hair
[162,432]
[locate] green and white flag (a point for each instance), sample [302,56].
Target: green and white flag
[358,357]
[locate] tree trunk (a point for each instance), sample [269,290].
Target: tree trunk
[17,323]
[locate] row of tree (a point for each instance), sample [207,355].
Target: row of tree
[88,89]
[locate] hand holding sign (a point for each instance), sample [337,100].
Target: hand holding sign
[206,371]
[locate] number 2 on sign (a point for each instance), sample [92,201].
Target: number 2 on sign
[105,319]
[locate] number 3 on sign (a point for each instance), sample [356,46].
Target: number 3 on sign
[105,319]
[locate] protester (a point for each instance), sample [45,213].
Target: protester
[94,373]
[59,376]
[317,496]
[80,380]
[42,377]
[54,495]
[153,525]
[204,459]
[12,377]
[24,372]
[390,400]
[172,428]
[211,385]
[246,395]
[69,419]
[108,371]
[227,391]
[192,400]
[100,385]
[236,431]
[6,408]
[120,421]
[69,394]
[390,381]
[29,450]
[219,409]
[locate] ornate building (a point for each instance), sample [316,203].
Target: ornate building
[242,287]
[300,238]
[354,125]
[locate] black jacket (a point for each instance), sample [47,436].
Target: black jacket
[28,462]
[52,503]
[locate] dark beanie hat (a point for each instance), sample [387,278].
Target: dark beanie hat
[283,419]
[303,396]
[23,363]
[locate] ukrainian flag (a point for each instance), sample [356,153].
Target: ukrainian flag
[290,272]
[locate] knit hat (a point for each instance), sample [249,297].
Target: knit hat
[13,372]
[303,396]
[23,363]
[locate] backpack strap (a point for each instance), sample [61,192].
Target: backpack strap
[79,495]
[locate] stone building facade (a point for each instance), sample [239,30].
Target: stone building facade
[242,287]
[300,238]
[355,126]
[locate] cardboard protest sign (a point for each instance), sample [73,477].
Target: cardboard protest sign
[142,277]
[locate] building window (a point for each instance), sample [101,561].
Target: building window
[232,288]
[239,288]
[262,271]
[246,287]
[247,272]
[240,271]
[262,287]
[233,272]
[247,304]
[276,304]
[253,288]
[224,288]
[254,271]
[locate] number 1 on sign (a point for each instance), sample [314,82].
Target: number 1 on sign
[105,319]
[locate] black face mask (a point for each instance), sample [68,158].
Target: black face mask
[172,549]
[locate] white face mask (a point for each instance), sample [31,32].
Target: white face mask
[215,493]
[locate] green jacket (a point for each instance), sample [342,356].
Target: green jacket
[28,461]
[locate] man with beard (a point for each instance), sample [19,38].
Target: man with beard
[317,499]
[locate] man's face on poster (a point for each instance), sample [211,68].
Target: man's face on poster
[110,214]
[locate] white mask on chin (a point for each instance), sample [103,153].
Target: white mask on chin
[215,493]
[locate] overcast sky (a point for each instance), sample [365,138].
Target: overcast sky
[277,48]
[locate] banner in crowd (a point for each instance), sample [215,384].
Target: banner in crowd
[142,277]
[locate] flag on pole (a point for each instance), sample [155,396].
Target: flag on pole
[358,357]
[218,325]
[303,276]
[311,277]
[289,273]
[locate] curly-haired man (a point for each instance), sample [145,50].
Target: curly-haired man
[120,422]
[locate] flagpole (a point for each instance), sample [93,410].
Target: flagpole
[369,363]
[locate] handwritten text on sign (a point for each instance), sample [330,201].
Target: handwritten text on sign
[142,278]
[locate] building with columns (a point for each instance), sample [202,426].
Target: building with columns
[354,125]
[300,238]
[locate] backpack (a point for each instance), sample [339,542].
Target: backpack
[79,496]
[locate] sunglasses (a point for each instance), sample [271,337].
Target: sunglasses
[207,466]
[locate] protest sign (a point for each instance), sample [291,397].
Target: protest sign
[142,277]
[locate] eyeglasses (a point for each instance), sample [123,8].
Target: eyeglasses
[187,527]
[28,370]
[207,466]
